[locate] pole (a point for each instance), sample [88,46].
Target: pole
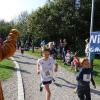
[92,16]
[91,30]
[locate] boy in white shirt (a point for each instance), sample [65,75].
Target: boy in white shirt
[45,67]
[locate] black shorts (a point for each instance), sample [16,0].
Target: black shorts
[46,82]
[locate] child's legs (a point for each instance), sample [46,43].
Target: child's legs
[80,92]
[76,67]
[48,92]
[87,93]
[72,64]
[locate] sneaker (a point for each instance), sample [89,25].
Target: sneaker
[75,90]
[41,87]
[53,80]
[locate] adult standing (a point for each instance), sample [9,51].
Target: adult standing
[87,47]
[60,47]
[53,52]
[1,41]
[90,55]
[7,49]
[64,49]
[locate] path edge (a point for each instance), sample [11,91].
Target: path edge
[19,81]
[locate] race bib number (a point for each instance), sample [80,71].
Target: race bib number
[87,77]
[48,73]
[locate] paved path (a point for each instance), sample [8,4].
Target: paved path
[62,90]
[10,87]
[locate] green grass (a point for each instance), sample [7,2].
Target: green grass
[37,54]
[6,71]
[97,70]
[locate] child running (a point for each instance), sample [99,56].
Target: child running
[84,77]
[45,67]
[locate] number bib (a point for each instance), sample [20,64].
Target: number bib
[87,77]
[48,73]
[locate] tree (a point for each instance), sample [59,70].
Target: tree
[5,27]
[60,19]
[97,16]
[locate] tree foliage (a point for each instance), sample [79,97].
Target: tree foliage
[59,19]
[4,29]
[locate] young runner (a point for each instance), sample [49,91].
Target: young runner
[84,77]
[45,67]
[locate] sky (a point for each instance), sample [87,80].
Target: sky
[10,9]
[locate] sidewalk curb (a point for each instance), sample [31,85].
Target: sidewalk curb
[20,81]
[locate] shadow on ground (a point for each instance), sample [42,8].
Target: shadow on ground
[68,84]
[14,69]
[97,92]
[66,81]
[28,63]
[17,56]
[73,86]
[63,85]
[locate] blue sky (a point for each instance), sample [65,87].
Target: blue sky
[9,9]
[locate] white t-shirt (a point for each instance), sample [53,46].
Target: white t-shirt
[46,69]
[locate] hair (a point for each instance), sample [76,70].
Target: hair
[83,60]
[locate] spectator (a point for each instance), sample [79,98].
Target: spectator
[22,50]
[90,55]
[53,52]
[1,41]
[75,63]
[68,57]
[87,47]
[60,47]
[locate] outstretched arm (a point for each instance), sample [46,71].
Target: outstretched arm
[93,82]
[38,67]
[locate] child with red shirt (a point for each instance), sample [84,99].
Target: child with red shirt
[75,63]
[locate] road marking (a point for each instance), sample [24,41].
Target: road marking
[20,82]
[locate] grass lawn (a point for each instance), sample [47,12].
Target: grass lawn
[6,71]
[37,54]
[97,70]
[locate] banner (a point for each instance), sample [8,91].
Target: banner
[95,42]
